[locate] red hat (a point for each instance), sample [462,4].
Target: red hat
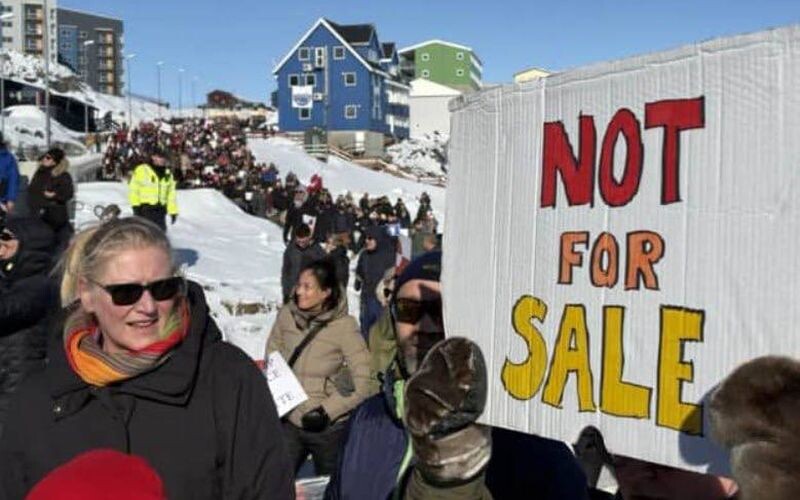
[100,475]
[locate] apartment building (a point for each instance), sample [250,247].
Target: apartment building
[447,63]
[24,31]
[92,45]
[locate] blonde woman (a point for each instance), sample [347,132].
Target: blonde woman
[138,365]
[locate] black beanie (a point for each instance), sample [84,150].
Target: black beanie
[427,266]
[57,154]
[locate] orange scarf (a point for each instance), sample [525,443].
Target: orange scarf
[99,368]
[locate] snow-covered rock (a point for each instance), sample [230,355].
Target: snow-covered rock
[423,156]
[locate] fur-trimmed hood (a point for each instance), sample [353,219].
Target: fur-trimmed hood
[62,167]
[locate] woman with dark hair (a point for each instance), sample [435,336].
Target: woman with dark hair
[50,191]
[322,345]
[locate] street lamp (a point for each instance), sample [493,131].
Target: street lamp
[3,17]
[128,70]
[180,92]
[194,102]
[158,76]
[47,71]
[87,43]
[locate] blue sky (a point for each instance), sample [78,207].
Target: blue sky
[232,44]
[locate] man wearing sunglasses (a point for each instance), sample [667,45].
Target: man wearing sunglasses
[27,296]
[152,190]
[418,438]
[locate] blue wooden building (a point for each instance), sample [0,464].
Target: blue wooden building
[342,79]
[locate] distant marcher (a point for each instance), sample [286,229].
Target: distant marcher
[299,253]
[336,246]
[378,256]
[50,191]
[9,178]
[321,343]
[152,190]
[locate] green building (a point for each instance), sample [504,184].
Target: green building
[447,63]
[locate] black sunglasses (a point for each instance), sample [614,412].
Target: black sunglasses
[126,294]
[7,235]
[411,311]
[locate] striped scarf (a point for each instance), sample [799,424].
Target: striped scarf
[99,368]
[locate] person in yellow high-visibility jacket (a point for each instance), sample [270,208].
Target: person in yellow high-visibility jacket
[151,190]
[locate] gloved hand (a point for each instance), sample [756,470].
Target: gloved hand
[443,400]
[316,420]
[174,218]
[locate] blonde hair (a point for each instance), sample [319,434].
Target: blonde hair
[91,249]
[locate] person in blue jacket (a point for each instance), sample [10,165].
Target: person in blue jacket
[9,178]
[417,438]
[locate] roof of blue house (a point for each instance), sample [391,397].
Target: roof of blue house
[350,36]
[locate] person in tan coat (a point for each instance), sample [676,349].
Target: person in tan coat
[333,366]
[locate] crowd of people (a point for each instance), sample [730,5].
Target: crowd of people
[116,352]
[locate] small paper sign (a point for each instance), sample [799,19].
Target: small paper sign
[286,389]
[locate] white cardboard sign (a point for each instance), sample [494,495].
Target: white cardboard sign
[619,238]
[286,390]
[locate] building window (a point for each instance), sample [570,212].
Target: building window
[310,79]
[7,24]
[459,72]
[338,52]
[351,111]
[425,73]
[460,56]
[7,39]
[82,35]
[349,79]
[294,80]
[303,53]
[7,8]
[425,57]
[304,113]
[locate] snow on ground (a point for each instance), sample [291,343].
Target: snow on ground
[424,156]
[237,257]
[340,176]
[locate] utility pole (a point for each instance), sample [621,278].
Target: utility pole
[130,107]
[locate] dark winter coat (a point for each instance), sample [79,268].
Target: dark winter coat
[9,176]
[342,264]
[294,258]
[373,265]
[522,466]
[204,420]
[324,223]
[297,216]
[343,222]
[51,210]
[280,201]
[27,296]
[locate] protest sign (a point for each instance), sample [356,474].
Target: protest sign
[284,386]
[620,237]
